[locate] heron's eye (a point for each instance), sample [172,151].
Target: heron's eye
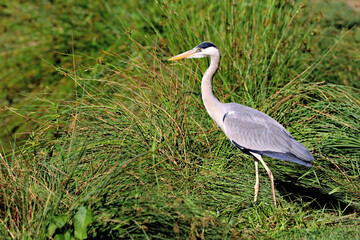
[198,49]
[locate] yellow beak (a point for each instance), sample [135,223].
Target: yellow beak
[183,55]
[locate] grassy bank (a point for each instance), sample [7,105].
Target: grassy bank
[119,145]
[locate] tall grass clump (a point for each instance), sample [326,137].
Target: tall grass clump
[131,153]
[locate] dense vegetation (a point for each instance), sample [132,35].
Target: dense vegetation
[101,137]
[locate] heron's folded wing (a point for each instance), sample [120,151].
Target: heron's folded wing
[256,132]
[259,133]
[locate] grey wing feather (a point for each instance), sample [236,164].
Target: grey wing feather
[254,131]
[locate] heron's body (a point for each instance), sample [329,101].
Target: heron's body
[248,129]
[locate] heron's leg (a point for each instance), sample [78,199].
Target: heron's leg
[258,156]
[257,183]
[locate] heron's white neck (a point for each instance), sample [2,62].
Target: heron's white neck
[212,104]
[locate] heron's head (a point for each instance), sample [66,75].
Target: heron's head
[205,49]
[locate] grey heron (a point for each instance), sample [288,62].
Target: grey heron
[250,130]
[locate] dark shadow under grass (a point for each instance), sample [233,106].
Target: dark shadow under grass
[313,198]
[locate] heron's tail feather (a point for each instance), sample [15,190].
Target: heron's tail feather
[297,153]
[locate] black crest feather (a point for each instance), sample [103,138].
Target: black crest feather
[205,45]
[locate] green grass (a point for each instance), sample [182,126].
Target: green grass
[109,140]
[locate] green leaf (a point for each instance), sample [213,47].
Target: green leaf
[65,236]
[57,222]
[51,228]
[81,220]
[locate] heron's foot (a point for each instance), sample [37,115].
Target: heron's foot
[271,177]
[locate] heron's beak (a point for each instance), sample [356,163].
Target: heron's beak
[183,55]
